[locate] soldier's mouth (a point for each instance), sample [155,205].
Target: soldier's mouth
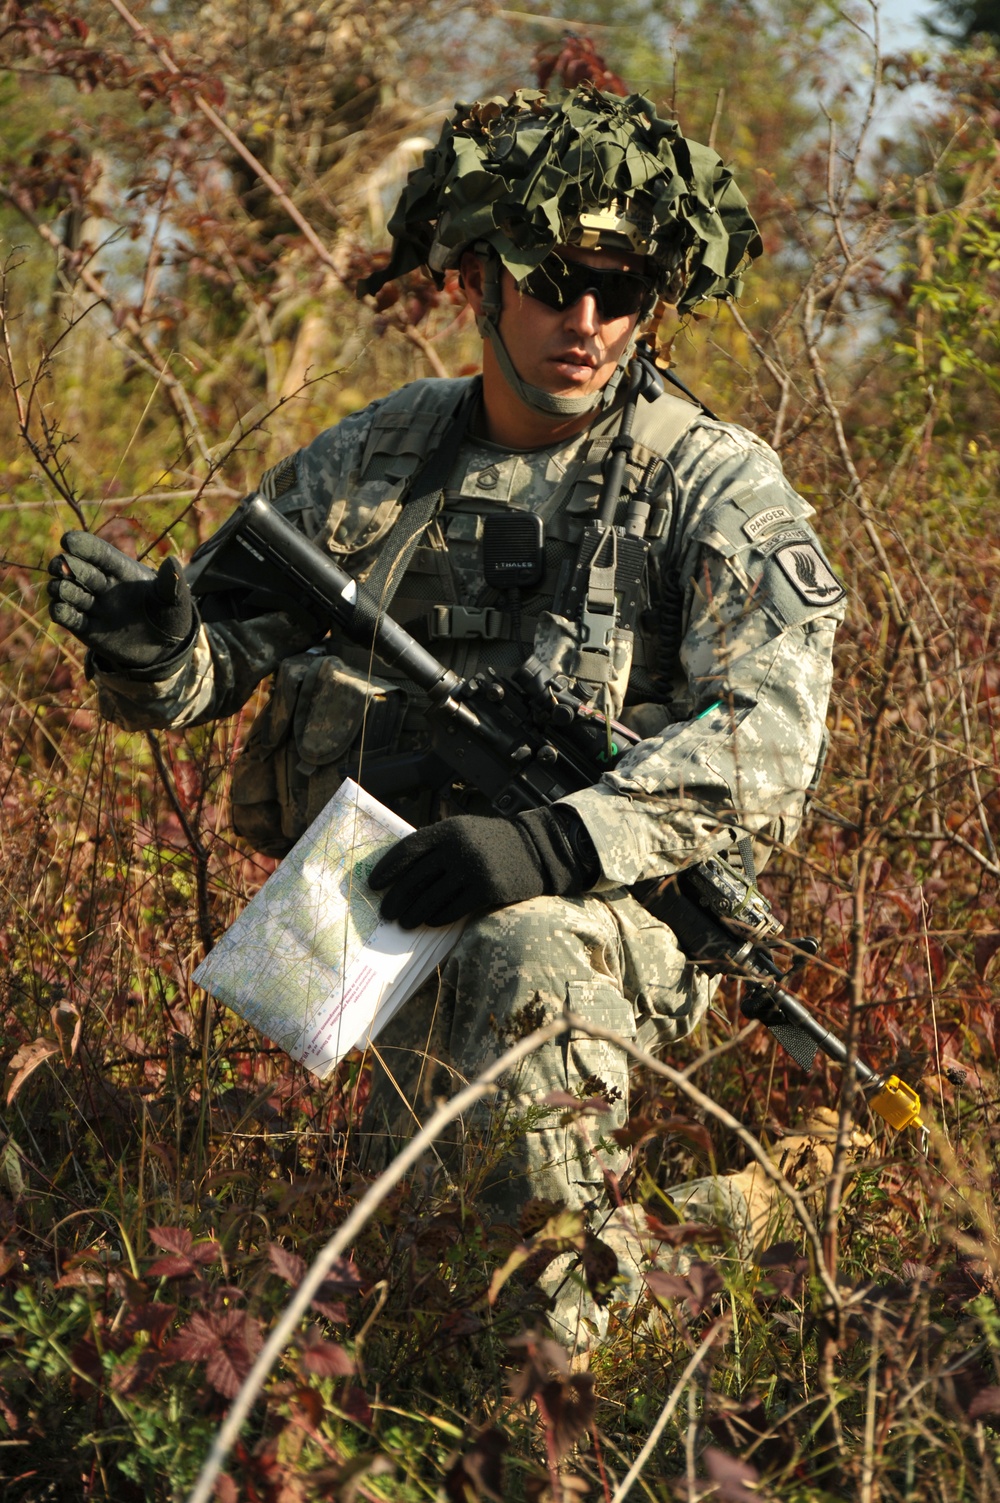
[575,366]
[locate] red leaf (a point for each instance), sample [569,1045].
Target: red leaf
[697,1289]
[325,1358]
[310,1401]
[170,1268]
[779,1255]
[334,1310]
[87,1360]
[177,1239]
[94,1278]
[196,1341]
[207,1252]
[287,1265]
[600,1266]
[695,1132]
[151,1317]
[479,1473]
[342,1278]
[733,1478]
[230,1342]
[705,1282]
[986,1401]
[356,1406]
[129,1377]
[638,1128]
[667,1285]
[682,1232]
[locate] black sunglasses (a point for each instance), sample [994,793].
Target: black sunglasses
[559,284]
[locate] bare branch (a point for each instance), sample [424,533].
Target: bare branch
[271,183]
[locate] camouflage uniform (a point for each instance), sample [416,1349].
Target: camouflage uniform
[728,686]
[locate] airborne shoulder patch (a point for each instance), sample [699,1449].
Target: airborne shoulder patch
[808,572]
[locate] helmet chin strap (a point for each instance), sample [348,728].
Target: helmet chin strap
[535,397]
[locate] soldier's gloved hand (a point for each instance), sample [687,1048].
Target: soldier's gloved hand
[445,871]
[130,617]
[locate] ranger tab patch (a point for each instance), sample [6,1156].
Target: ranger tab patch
[809,573]
[766,521]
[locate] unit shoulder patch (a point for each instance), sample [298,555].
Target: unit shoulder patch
[809,574]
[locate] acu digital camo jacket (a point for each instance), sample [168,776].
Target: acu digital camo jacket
[731,668]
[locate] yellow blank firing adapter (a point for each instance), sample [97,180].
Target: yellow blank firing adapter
[897,1104]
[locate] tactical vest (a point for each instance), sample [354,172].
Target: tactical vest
[325,711]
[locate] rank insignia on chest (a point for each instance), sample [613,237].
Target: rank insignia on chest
[809,574]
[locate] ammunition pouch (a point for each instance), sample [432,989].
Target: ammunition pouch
[320,714]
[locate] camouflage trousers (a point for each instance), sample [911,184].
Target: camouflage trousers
[602,957]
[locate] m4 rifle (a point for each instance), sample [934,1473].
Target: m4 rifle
[527,739]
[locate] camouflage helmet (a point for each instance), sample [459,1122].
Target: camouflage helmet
[526,174]
[514,178]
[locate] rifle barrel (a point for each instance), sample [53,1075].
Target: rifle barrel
[831,1046]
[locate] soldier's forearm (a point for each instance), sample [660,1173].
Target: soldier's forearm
[217,675]
[743,766]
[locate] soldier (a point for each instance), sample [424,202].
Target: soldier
[569,220]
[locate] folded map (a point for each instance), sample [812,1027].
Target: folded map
[309,962]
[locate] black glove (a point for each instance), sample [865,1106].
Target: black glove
[130,617]
[438,874]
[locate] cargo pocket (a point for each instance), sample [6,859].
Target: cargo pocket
[346,716]
[259,781]
[313,721]
[669,996]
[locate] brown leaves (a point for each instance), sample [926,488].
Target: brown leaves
[26,1061]
[66,1022]
[175,89]
[574,61]
[561,1232]
[479,1473]
[226,1343]
[565,1400]
[697,1288]
[985,950]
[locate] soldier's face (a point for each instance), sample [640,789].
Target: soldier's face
[571,351]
